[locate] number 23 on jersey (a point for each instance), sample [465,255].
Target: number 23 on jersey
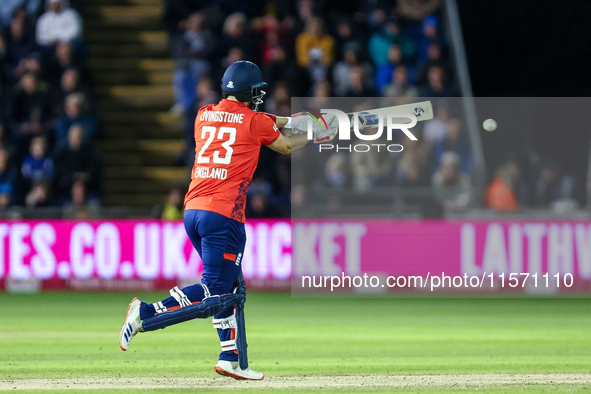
[225,134]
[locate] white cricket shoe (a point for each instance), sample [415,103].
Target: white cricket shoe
[231,369]
[132,325]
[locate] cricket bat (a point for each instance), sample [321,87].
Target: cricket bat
[367,119]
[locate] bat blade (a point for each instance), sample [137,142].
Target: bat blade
[368,119]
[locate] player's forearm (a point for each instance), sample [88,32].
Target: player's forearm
[298,141]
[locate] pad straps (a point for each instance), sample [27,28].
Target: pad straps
[225,323]
[228,323]
[180,297]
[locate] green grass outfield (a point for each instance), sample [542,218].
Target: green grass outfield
[74,335]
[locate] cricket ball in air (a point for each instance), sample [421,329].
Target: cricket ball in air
[489,125]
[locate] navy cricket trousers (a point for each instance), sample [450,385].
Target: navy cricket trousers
[220,243]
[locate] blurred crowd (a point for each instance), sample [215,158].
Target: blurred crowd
[434,171]
[48,122]
[528,181]
[322,48]
[384,52]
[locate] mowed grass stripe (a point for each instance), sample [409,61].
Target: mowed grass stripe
[62,335]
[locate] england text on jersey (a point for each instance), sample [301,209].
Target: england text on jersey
[215,173]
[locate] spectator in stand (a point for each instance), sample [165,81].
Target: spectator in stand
[283,68]
[10,7]
[76,161]
[298,196]
[285,111]
[373,168]
[385,72]
[37,164]
[196,41]
[434,58]
[272,41]
[234,54]
[235,35]
[5,142]
[547,186]
[59,23]
[8,179]
[206,93]
[69,84]
[19,45]
[400,87]
[176,12]
[65,58]
[279,97]
[76,113]
[5,195]
[305,11]
[258,204]
[450,175]
[437,84]
[381,40]
[315,49]
[320,94]
[430,36]
[336,171]
[455,141]
[39,196]
[30,64]
[358,86]
[347,34]
[80,206]
[193,49]
[174,206]
[417,9]
[435,130]
[272,33]
[501,194]
[409,174]
[412,155]
[341,73]
[375,16]
[30,108]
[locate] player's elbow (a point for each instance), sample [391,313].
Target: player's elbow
[283,147]
[286,150]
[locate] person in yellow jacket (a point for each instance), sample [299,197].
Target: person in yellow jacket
[313,44]
[173,209]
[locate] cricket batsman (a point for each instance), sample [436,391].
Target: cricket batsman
[228,138]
